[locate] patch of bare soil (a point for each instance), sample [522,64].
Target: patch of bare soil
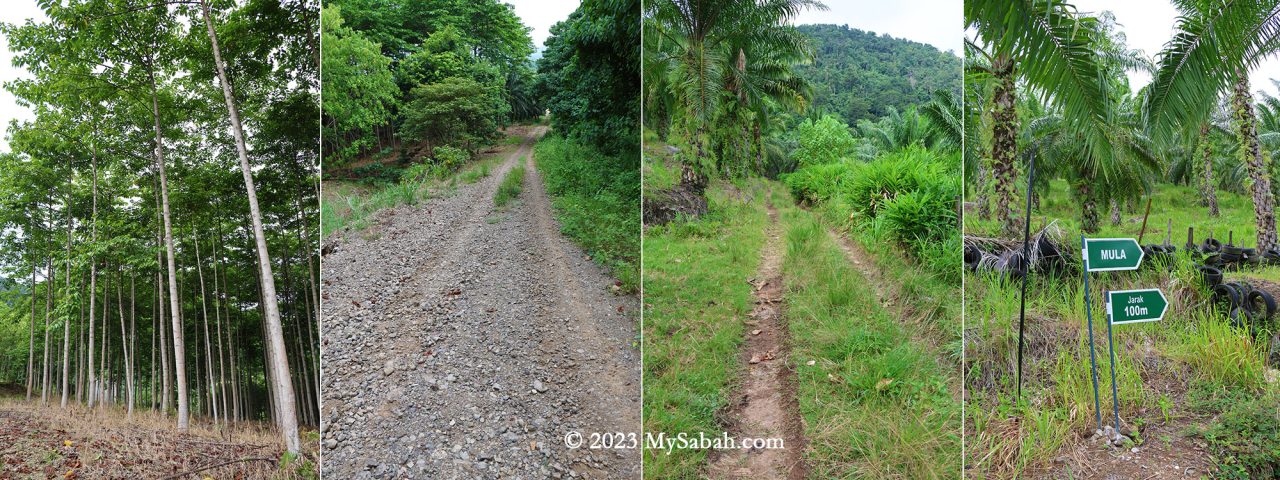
[50,442]
[766,405]
[688,198]
[1167,450]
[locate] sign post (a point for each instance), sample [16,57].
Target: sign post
[1106,255]
[1136,306]
[1130,306]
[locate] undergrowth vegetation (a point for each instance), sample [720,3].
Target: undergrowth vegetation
[381,186]
[1166,372]
[695,304]
[596,199]
[511,186]
[908,195]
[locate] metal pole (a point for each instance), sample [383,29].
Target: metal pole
[1088,308]
[1026,261]
[1115,398]
[1144,221]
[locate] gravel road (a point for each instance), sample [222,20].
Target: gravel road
[460,341]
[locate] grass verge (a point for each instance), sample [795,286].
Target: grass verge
[876,401]
[696,300]
[596,198]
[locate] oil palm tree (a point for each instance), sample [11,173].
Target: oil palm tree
[1062,151]
[1051,48]
[709,60]
[1215,43]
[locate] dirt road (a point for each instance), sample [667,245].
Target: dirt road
[462,341]
[766,405]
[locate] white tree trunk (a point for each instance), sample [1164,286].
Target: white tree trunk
[128,355]
[210,390]
[31,327]
[66,324]
[179,353]
[44,384]
[282,386]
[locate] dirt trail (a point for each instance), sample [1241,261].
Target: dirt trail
[464,341]
[865,265]
[767,405]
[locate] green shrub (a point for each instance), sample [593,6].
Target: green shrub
[818,183]
[597,201]
[823,141]
[450,158]
[376,173]
[919,216]
[421,172]
[907,195]
[879,182]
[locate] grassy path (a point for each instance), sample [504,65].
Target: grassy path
[875,396]
[877,400]
[766,404]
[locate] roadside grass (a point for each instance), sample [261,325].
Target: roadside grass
[511,186]
[696,302]
[476,173]
[350,204]
[1179,203]
[876,402]
[1194,347]
[596,199]
[1246,434]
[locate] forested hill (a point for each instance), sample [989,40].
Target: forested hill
[858,74]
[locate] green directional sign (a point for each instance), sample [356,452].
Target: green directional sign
[1135,306]
[1109,254]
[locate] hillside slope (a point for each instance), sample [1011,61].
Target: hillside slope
[859,74]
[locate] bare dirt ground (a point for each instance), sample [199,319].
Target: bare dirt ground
[1168,450]
[766,404]
[39,442]
[464,341]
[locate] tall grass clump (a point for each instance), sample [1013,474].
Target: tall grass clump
[597,201]
[511,186]
[907,196]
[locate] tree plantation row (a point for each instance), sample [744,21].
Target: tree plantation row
[158,245]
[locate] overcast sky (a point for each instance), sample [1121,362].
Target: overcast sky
[540,15]
[1148,24]
[14,12]
[936,22]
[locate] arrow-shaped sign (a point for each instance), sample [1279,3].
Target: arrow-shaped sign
[1134,306]
[1110,254]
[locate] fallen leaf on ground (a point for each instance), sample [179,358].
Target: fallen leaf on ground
[755,332]
[883,384]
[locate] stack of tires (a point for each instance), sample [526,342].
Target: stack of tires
[1159,255]
[1243,303]
[1230,257]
